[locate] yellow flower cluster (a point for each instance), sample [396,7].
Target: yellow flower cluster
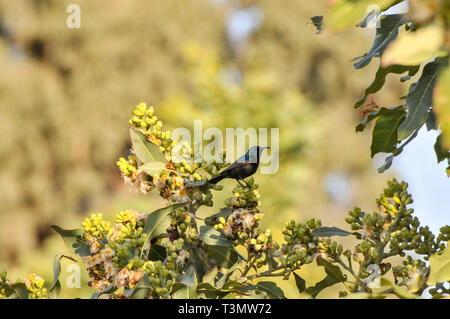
[145,120]
[35,286]
[115,264]
[106,263]
[127,167]
[96,225]
[129,227]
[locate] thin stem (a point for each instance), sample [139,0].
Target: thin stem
[269,273]
[391,253]
[249,266]
[350,270]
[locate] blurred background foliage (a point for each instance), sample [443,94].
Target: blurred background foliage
[66,95]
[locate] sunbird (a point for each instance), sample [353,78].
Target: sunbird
[244,167]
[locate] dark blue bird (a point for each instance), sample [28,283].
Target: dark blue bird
[244,167]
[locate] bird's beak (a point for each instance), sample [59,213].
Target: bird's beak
[268,147]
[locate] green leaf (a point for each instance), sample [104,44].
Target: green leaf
[413,48]
[331,270]
[221,280]
[431,121]
[213,237]
[271,289]
[397,151]
[232,285]
[189,183]
[56,286]
[208,291]
[16,291]
[364,295]
[199,268]
[74,239]
[441,105]
[210,276]
[153,168]
[256,294]
[373,115]
[399,291]
[189,278]
[440,267]
[329,232]
[157,252]
[185,292]
[189,285]
[384,135]
[387,163]
[380,79]
[224,257]
[157,223]
[321,285]
[140,291]
[347,13]
[214,219]
[145,150]
[385,34]
[419,100]
[441,153]
[108,289]
[334,276]
[300,283]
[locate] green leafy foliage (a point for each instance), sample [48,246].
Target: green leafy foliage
[300,283]
[440,267]
[271,289]
[224,257]
[321,285]
[384,136]
[399,291]
[422,39]
[419,100]
[16,291]
[329,232]
[334,276]
[157,224]
[385,34]
[380,78]
[74,239]
[166,254]
[211,236]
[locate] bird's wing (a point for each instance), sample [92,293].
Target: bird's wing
[234,165]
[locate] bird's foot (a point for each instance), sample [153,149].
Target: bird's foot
[246,184]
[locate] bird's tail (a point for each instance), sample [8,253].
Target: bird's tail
[218,178]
